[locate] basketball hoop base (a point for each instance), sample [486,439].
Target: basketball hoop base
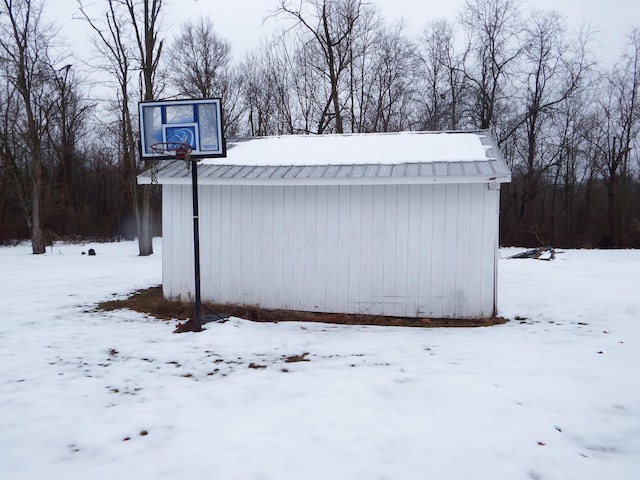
[189,326]
[195,325]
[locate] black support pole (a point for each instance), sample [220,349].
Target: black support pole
[197,309]
[194,324]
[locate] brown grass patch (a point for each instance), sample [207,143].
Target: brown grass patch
[151,302]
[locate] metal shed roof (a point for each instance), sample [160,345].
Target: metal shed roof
[387,158]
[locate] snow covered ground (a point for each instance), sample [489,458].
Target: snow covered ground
[553,394]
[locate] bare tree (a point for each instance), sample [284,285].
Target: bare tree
[15,163]
[25,49]
[113,46]
[554,72]
[393,80]
[199,60]
[66,132]
[257,94]
[127,39]
[620,113]
[433,94]
[145,20]
[268,81]
[493,28]
[441,78]
[572,175]
[200,67]
[362,64]
[331,26]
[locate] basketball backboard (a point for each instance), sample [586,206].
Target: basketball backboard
[197,123]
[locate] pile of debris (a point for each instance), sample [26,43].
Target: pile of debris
[540,253]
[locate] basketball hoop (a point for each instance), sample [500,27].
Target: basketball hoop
[191,130]
[177,150]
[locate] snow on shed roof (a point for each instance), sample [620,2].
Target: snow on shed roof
[403,157]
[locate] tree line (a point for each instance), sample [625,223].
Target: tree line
[566,121]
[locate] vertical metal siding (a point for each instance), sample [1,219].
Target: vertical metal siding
[401,250]
[177,243]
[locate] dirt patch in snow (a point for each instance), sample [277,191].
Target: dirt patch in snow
[151,302]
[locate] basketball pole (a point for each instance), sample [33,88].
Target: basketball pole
[194,324]
[171,129]
[197,309]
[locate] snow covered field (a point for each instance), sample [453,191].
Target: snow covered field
[554,394]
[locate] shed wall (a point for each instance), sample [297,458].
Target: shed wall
[399,250]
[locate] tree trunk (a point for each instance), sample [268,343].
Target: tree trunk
[333,77]
[37,237]
[145,237]
[611,208]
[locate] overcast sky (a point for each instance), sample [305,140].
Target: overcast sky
[243,24]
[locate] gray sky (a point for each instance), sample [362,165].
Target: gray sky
[243,23]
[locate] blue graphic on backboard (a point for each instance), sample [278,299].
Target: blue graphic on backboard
[182,134]
[195,122]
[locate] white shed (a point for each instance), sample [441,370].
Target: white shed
[398,224]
